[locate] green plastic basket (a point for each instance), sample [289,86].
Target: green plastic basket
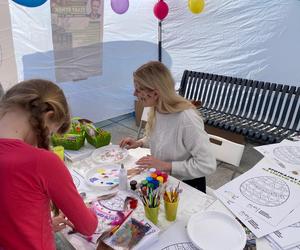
[69,141]
[96,136]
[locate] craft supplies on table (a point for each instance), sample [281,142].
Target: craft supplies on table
[150,192]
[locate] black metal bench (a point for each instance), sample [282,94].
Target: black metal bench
[261,111]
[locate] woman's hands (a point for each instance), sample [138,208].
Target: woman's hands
[129,143]
[152,162]
[59,222]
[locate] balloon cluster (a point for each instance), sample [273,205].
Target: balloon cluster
[160,9]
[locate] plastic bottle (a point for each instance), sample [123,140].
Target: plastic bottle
[123,178]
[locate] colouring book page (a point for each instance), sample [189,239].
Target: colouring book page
[287,237]
[107,212]
[256,225]
[266,191]
[286,154]
[79,181]
[275,246]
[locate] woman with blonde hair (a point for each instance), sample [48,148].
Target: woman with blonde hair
[174,131]
[31,176]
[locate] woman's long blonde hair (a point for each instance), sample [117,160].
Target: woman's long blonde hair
[156,76]
[38,96]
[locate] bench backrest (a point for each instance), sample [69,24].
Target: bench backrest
[269,103]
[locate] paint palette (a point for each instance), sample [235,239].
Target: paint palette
[109,154]
[104,176]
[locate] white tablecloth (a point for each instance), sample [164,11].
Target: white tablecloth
[191,200]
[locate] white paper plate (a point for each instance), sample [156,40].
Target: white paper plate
[211,230]
[104,176]
[109,154]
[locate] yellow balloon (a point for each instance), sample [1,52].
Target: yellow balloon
[196,6]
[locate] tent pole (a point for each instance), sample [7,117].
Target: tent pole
[159,40]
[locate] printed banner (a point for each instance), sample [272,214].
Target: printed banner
[77,33]
[8,68]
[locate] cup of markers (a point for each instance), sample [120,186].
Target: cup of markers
[171,199]
[150,191]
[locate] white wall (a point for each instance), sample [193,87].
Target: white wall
[257,39]
[129,41]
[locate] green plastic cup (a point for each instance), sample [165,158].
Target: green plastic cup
[152,213]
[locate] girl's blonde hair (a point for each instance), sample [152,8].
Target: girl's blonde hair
[38,96]
[156,76]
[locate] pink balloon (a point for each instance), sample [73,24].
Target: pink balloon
[161,10]
[120,6]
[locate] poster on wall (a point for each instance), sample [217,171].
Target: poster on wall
[8,68]
[77,34]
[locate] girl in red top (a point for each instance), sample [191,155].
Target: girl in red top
[30,175]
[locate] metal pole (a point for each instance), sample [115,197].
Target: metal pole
[159,40]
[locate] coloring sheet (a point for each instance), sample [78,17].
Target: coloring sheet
[264,197]
[286,154]
[256,225]
[79,181]
[286,238]
[274,246]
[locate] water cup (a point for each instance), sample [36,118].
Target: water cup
[171,210]
[152,213]
[59,151]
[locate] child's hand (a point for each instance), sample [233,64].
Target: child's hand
[60,222]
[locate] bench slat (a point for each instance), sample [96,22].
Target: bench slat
[263,111]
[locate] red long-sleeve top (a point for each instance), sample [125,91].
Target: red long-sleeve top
[29,178]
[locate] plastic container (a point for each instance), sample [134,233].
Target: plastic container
[123,180]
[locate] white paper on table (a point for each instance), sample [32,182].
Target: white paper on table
[286,238]
[79,181]
[286,154]
[266,191]
[174,238]
[275,246]
[256,225]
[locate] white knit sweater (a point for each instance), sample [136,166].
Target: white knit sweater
[180,138]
